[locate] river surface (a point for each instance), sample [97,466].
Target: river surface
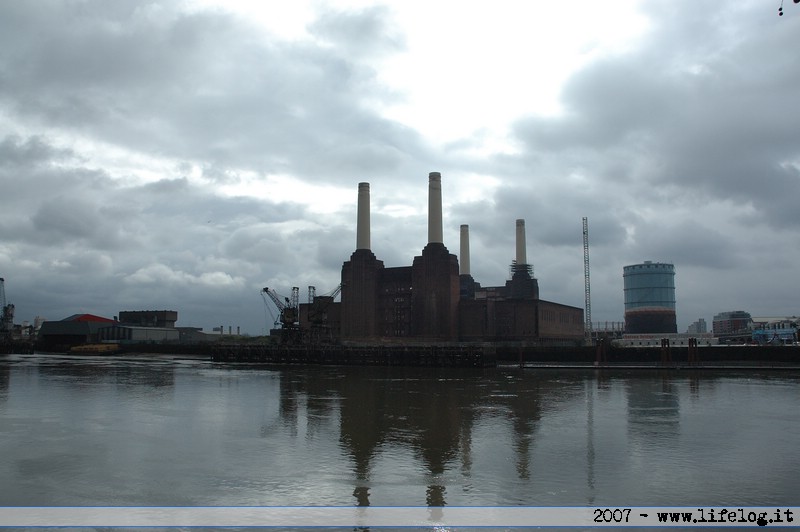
[166,431]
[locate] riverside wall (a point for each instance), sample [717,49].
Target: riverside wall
[468,355]
[704,356]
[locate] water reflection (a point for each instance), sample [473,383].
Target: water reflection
[5,376]
[88,371]
[161,432]
[434,414]
[429,411]
[590,456]
[653,409]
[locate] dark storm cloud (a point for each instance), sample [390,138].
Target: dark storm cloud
[710,113]
[205,86]
[681,148]
[187,203]
[47,200]
[17,153]
[690,243]
[76,239]
[66,219]
[209,92]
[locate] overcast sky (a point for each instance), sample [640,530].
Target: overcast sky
[182,155]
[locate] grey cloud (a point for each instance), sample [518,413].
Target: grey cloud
[258,243]
[71,220]
[688,243]
[610,102]
[696,107]
[364,32]
[67,217]
[206,86]
[16,152]
[682,149]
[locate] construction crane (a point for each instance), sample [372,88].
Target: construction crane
[586,283]
[7,317]
[319,328]
[335,292]
[288,320]
[6,312]
[276,322]
[286,306]
[319,304]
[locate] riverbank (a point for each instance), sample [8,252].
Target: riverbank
[740,357]
[475,355]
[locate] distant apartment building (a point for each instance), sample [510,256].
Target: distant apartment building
[731,322]
[698,327]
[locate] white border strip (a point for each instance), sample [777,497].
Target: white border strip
[396,516]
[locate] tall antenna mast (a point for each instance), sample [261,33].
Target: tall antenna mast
[587,286]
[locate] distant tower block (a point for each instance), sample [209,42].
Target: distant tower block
[650,298]
[362,223]
[435,234]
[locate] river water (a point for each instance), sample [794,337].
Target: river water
[166,431]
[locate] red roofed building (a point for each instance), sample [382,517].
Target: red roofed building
[74,330]
[89,317]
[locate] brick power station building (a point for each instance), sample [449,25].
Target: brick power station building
[433,300]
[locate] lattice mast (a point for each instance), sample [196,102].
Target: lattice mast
[6,311]
[586,283]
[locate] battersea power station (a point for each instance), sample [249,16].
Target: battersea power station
[436,299]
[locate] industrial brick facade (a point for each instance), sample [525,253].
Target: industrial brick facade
[431,301]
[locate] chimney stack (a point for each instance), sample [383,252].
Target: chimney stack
[464,259]
[521,253]
[435,208]
[362,224]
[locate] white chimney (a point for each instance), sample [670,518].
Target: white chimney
[362,224]
[521,253]
[435,208]
[464,259]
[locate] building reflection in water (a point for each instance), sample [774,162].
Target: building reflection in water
[521,397]
[90,370]
[589,385]
[364,425]
[653,408]
[5,377]
[430,412]
[403,407]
